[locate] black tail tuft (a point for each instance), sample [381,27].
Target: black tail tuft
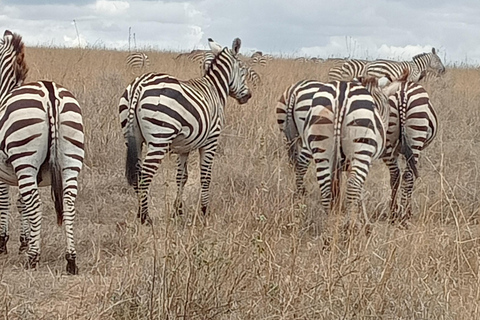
[57,189]
[131,169]
[407,152]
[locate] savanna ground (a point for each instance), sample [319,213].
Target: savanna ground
[259,254]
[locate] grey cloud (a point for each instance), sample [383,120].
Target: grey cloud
[47,2]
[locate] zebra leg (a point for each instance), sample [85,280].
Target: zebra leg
[32,212]
[182,176]
[408,179]
[323,167]
[207,153]
[301,166]
[392,164]
[355,182]
[70,188]
[150,166]
[25,227]
[4,208]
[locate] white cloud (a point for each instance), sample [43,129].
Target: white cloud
[111,8]
[324,28]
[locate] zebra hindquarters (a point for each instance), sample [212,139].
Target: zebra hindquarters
[69,162]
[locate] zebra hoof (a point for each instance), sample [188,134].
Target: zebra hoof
[204,210]
[32,262]
[3,244]
[145,219]
[71,265]
[179,209]
[299,193]
[23,245]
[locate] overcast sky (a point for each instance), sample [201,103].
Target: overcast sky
[324,28]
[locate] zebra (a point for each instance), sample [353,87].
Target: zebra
[347,70]
[179,116]
[41,144]
[258,58]
[338,125]
[137,61]
[412,127]
[421,62]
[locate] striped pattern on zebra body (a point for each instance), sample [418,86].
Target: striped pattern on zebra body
[258,58]
[167,114]
[393,69]
[412,127]
[41,144]
[347,70]
[137,61]
[337,124]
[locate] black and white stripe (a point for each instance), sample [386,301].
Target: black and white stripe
[339,126]
[167,114]
[137,61]
[347,70]
[41,144]
[412,127]
[258,58]
[394,70]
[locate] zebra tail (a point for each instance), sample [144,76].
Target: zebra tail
[290,130]
[54,161]
[131,166]
[336,161]
[406,149]
[134,148]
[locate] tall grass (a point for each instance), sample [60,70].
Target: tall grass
[259,254]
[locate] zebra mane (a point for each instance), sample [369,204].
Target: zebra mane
[369,82]
[421,55]
[21,68]
[404,76]
[211,59]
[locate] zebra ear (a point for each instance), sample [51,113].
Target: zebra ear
[434,51]
[7,33]
[236,45]
[215,47]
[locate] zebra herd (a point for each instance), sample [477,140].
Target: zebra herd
[337,125]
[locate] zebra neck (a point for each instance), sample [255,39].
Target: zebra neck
[421,62]
[6,86]
[219,75]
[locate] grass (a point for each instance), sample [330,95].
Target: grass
[259,254]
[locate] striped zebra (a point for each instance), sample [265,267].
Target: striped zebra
[347,70]
[339,126]
[258,58]
[412,127]
[137,61]
[421,62]
[167,114]
[41,143]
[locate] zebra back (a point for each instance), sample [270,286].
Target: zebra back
[348,70]
[137,61]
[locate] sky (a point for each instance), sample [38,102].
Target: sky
[369,29]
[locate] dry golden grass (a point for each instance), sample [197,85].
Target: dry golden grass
[259,254]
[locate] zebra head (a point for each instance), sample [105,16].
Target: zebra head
[432,62]
[13,69]
[237,75]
